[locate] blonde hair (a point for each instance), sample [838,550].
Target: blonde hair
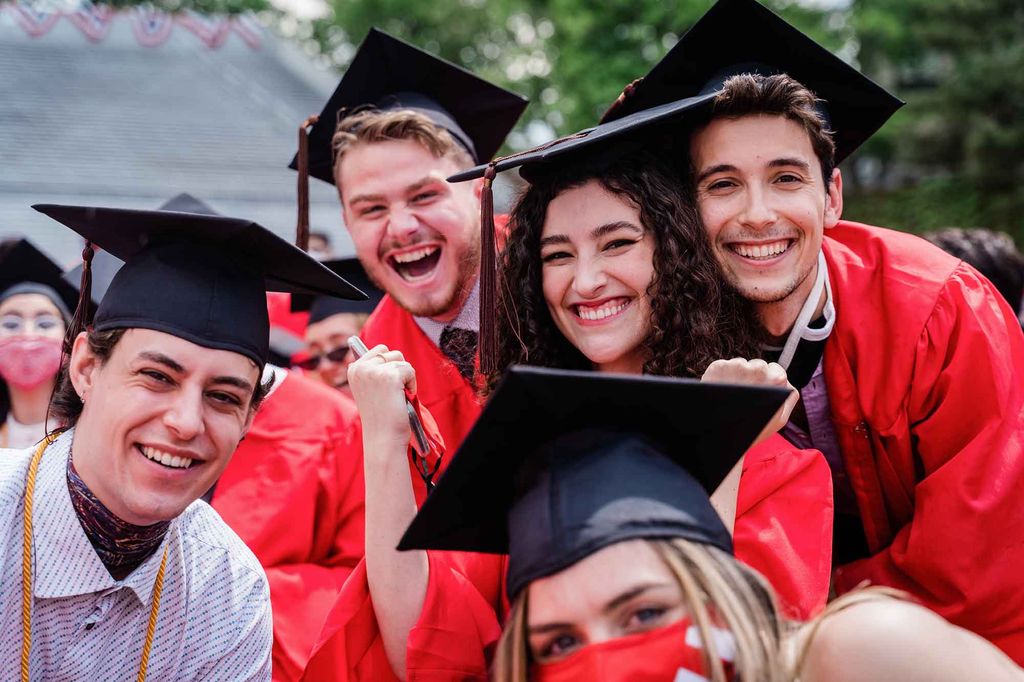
[716,588]
[373,125]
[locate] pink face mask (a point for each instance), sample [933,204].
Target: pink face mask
[29,361]
[669,654]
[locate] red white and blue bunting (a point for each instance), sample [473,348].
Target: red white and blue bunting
[151,27]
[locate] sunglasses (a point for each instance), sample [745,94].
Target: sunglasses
[335,355]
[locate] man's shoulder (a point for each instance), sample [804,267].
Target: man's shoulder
[879,250]
[209,545]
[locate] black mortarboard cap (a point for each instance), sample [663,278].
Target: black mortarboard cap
[104,266]
[743,36]
[199,277]
[600,145]
[24,269]
[389,73]
[563,463]
[322,307]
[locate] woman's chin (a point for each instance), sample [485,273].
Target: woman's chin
[612,360]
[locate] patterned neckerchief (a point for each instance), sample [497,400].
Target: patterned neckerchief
[121,546]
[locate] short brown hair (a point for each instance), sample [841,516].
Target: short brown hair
[65,403]
[750,94]
[373,125]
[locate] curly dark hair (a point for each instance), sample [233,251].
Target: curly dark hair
[65,403]
[696,317]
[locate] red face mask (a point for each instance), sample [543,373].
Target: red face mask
[29,361]
[669,654]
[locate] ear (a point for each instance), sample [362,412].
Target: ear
[834,200]
[83,365]
[478,188]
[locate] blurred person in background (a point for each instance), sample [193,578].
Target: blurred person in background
[991,253]
[320,246]
[332,321]
[35,305]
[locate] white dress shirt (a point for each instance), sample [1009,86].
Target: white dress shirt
[214,621]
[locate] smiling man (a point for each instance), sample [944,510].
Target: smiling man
[112,568]
[908,360]
[400,122]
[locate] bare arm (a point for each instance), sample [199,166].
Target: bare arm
[889,640]
[750,373]
[397,580]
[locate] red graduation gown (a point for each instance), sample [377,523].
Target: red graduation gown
[293,492]
[783,528]
[923,372]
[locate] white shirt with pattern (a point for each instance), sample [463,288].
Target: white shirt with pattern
[214,621]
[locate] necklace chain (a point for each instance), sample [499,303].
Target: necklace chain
[26,577]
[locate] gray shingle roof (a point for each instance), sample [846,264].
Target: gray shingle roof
[115,123]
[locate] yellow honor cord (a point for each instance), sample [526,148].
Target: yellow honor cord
[26,577]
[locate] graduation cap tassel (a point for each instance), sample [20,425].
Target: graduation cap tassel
[302,223]
[626,93]
[80,320]
[488,277]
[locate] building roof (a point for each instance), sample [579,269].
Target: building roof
[118,124]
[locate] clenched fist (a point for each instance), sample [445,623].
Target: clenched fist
[756,373]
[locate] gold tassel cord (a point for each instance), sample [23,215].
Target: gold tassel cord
[26,575]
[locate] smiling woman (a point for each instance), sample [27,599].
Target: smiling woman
[610,267]
[35,306]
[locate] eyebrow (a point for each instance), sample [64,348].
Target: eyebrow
[774,163]
[596,233]
[720,168]
[233,381]
[175,366]
[790,161]
[162,359]
[408,189]
[631,594]
[615,603]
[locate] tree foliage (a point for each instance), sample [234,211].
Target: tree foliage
[570,57]
[953,156]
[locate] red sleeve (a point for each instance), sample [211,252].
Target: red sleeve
[783,523]
[350,648]
[302,592]
[461,620]
[453,638]
[962,551]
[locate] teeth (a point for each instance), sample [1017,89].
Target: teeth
[416,255]
[601,312]
[761,250]
[166,458]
